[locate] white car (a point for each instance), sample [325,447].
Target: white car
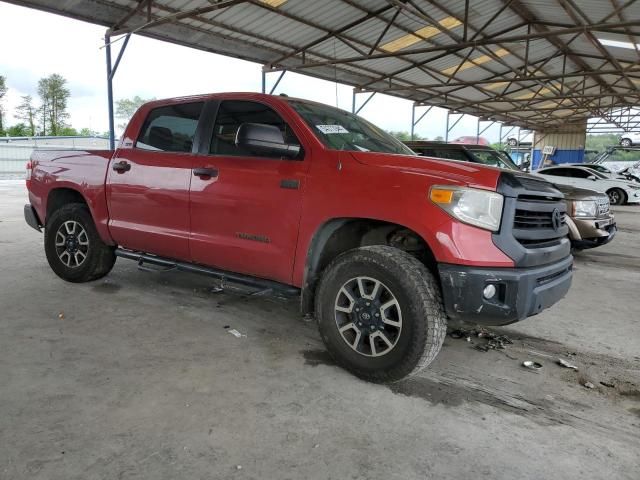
[619,191]
[629,139]
[607,172]
[525,139]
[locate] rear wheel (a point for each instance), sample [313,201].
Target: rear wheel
[74,249]
[380,313]
[625,142]
[512,142]
[617,196]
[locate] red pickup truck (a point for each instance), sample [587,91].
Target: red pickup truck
[291,195]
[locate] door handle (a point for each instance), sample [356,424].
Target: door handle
[205,172]
[290,183]
[122,166]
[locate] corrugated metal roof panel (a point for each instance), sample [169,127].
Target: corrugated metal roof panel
[414,56]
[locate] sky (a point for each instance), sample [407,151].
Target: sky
[35,44]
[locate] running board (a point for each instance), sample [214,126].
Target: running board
[246,280]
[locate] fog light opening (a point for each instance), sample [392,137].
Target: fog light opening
[489,291]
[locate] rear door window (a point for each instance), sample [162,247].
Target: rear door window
[556,172]
[579,173]
[171,128]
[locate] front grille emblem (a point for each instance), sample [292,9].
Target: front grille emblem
[556,219]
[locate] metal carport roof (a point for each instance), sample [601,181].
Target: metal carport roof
[538,64]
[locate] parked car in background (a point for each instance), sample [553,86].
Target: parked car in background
[469,140]
[605,171]
[629,139]
[463,152]
[619,191]
[591,223]
[526,139]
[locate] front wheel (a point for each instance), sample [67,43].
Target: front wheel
[512,142]
[616,196]
[74,250]
[625,142]
[380,313]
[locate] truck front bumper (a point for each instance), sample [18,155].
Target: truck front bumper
[31,217]
[516,293]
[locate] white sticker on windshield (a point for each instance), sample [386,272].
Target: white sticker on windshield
[329,129]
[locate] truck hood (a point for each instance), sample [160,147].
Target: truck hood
[575,193]
[447,171]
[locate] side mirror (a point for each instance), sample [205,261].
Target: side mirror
[592,177]
[263,138]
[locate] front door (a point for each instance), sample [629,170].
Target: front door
[148,184]
[245,209]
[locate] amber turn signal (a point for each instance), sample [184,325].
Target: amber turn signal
[440,195]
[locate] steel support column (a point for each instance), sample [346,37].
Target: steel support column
[480,130]
[111,71]
[353,101]
[112,130]
[415,122]
[506,135]
[449,128]
[275,85]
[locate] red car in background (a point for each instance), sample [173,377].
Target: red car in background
[468,140]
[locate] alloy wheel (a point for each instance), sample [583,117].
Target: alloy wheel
[368,316]
[72,244]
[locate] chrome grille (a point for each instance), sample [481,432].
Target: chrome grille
[534,225]
[528,219]
[603,206]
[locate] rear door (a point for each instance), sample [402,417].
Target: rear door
[245,209]
[148,184]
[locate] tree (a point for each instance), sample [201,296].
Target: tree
[126,107]
[18,130]
[405,136]
[600,142]
[87,132]
[68,132]
[3,91]
[54,95]
[27,112]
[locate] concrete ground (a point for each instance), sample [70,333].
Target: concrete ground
[137,376]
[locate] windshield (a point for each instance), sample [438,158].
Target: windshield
[597,174]
[493,158]
[340,130]
[598,168]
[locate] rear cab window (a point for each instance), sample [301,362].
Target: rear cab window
[171,128]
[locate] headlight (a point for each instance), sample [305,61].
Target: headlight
[585,208]
[480,208]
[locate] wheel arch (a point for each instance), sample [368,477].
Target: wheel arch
[625,196]
[339,235]
[61,196]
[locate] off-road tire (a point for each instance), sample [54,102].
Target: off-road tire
[424,322]
[619,199]
[99,256]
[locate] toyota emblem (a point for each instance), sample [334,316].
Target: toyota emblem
[556,219]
